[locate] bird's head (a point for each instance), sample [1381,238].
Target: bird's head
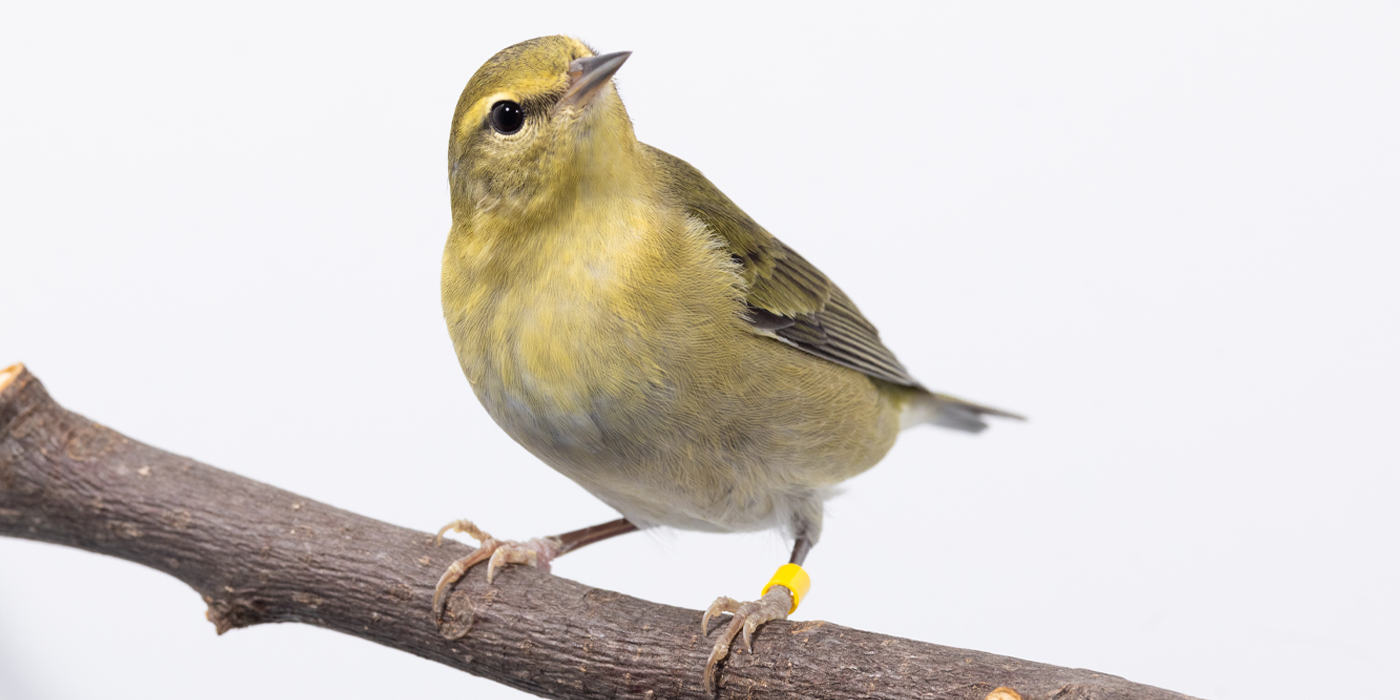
[535,126]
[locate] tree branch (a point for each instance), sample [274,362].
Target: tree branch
[258,554]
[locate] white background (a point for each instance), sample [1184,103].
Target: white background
[1167,232]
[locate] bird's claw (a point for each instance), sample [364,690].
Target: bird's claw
[747,618]
[723,604]
[537,552]
[464,526]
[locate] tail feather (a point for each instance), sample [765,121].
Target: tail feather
[950,412]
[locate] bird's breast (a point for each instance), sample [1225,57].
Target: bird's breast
[575,336]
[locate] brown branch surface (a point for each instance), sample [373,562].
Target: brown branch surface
[259,554]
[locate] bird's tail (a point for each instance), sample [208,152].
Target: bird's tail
[949,412]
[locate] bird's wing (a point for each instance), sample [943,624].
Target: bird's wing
[788,297]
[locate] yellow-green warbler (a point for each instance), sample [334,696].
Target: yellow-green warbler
[625,322]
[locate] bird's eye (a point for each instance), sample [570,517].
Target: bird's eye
[507,117]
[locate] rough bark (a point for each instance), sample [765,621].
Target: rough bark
[259,554]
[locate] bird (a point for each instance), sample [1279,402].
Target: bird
[629,325]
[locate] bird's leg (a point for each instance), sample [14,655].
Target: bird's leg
[779,599]
[538,552]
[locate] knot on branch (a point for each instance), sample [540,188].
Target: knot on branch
[239,609]
[458,616]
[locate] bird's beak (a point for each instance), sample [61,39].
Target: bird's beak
[588,76]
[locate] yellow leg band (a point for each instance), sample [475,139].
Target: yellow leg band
[793,578]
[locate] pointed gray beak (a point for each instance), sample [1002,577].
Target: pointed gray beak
[588,76]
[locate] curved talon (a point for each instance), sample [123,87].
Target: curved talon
[723,604]
[455,572]
[748,617]
[498,558]
[720,651]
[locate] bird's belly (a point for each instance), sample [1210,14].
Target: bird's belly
[714,444]
[660,466]
[627,425]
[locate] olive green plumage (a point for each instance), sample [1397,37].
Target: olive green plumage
[627,323]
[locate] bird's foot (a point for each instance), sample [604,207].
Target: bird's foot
[747,617]
[537,552]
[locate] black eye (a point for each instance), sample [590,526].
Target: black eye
[507,117]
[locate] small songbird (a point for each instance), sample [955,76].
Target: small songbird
[627,323]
